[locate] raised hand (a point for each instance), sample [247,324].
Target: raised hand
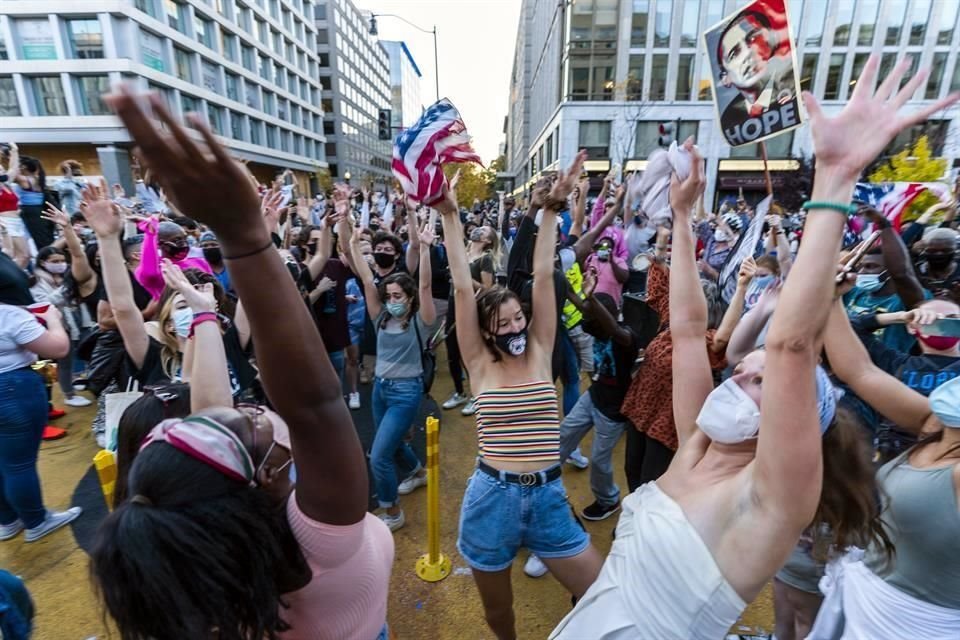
[56,216]
[271,209]
[748,269]
[325,284]
[589,282]
[199,298]
[427,235]
[566,181]
[849,141]
[684,195]
[103,215]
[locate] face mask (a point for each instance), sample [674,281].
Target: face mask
[513,343]
[182,319]
[397,309]
[721,236]
[476,235]
[637,220]
[213,255]
[603,255]
[870,282]
[175,252]
[58,268]
[939,343]
[191,241]
[762,282]
[374,227]
[729,415]
[4,177]
[939,261]
[384,260]
[312,247]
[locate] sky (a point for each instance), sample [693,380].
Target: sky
[475,41]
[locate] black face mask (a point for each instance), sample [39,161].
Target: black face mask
[512,343]
[939,261]
[212,255]
[374,227]
[175,252]
[311,248]
[384,260]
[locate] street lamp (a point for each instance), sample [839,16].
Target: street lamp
[436,64]
[346,176]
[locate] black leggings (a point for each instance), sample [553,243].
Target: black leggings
[40,230]
[453,349]
[646,459]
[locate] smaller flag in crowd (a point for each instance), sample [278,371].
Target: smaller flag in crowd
[746,247]
[892,198]
[419,153]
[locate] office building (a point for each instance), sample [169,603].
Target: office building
[250,66]
[355,78]
[404,85]
[603,74]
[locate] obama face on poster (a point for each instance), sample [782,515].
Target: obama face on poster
[754,73]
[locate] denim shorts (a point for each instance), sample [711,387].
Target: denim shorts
[497,518]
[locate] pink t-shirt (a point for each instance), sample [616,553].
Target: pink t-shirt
[606,281]
[347,597]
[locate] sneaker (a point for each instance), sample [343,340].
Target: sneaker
[53,433]
[53,522]
[454,401]
[77,386]
[393,522]
[534,567]
[77,401]
[101,439]
[11,530]
[578,460]
[354,400]
[411,484]
[56,413]
[597,511]
[470,408]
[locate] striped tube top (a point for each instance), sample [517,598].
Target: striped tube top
[519,423]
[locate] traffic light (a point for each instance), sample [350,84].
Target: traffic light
[668,132]
[384,129]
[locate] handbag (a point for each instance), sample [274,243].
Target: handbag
[116,404]
[428,360]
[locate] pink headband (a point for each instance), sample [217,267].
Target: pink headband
[209,442]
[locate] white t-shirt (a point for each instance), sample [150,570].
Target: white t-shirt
[17,328]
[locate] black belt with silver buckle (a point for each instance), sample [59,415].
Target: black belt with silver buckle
[528,479]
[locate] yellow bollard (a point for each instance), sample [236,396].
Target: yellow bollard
[106,465]
[433,566]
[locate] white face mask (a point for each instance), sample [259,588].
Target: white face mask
[182,319]
[729,415]
[58,268]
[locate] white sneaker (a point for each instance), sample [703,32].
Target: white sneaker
[578,460]
[454,400]
[393,522]
[354,402]
[470,408]
[411,484]
[79,387]
[77,401]
[11,530]
[534,567]
[54,521]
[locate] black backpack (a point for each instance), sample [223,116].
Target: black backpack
[428,359]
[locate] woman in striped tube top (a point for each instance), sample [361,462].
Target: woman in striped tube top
[515,497]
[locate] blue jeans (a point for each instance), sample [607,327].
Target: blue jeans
[337,359]
[23,414]
[606,434]
[570,374]
[395,406]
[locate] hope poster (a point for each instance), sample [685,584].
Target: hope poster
[754,73]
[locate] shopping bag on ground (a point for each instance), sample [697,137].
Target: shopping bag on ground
[116,404]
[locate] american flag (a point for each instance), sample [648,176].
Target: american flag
[438,137]
[892,198]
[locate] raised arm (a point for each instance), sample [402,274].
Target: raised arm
[896,257]
[148,271]
[585,244]
[743,340]
[735,310]
[324,249]
[789,445]
[598,313]
[412,256]
[428,313]
[294,366]
[105,218]
[361,268]
[688,306]
[85,277]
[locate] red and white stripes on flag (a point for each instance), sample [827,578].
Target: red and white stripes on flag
[438,137]
[892,198]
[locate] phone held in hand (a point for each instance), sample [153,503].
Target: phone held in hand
[949,327]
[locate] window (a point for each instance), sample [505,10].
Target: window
[603,85]
[3,49]
[176,15]
[325,83]
[262,32]
[648,136]
[233,86]
[595,138]
[269,103]
[868,21]
[181,60]
[248,58]
[265,67]
[896,11]
[955,81]
[287,20]
[690,26]
[9,106]
[48,96]
[579,88]
[918,26]
[86,38]
[887,62]
[658,77]
[685,77]
[204,31]
[948,22]
[252,95]
[282,109]
[813,25]
[662,23]
[149,7]
[859,61]
[277,42]
[323,37]
[275,9]
[36,40]
[210,75]
[635,77]
[91,89]
[841,33]
[320,12]
[246,19]
[780,147]
[236,126]
[271,136]
[255,126]
[284,140]
[189,104]
[228,44]
[215,118]
[936,75]
[225,7]
[834,71]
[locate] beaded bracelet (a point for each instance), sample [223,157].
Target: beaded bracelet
[846,209]
[255,251]
[198,318]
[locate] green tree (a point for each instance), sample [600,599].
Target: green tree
[475,182]
[915,164]
[324,180]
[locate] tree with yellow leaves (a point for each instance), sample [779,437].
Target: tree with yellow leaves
[915,164]
[475,182]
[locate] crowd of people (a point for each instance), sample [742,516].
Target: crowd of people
[801,426]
